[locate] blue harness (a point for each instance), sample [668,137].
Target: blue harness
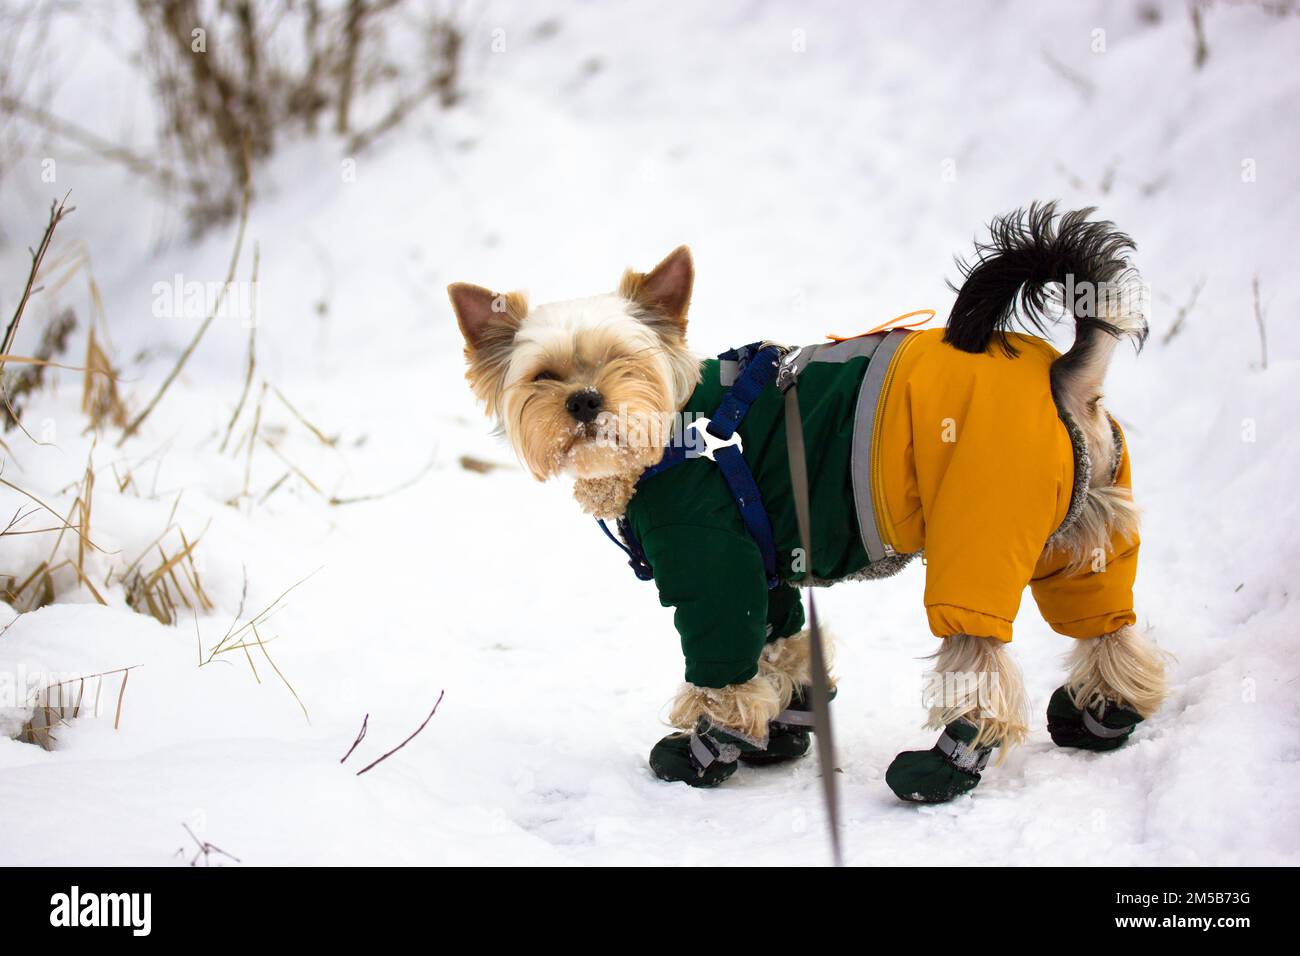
[757,367]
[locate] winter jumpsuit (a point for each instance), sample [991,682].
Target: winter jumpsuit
[968,459]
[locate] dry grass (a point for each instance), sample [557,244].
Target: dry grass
[163,589]
[249,78]
[58,211]
[275,438]
[58,703]
[252,355]
[100,398]
[164,580]
[139,419]
[29,379]
[39,587]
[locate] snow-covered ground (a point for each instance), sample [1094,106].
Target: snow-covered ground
[824,162]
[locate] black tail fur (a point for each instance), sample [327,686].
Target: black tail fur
[1027,251]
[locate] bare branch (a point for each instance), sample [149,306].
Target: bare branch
[58,210]
[1259,321]
[361,735]
[408,739]
[1177,325]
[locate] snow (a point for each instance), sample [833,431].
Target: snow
[821,191]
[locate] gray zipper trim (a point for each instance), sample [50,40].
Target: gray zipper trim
[864,422]
[798,359]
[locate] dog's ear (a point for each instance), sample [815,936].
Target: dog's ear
[481,311]
[665,290]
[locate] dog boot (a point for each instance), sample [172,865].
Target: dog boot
[703,757]
[948,769]
[790,732]
[1088,729]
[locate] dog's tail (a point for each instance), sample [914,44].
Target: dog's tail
[1028,254]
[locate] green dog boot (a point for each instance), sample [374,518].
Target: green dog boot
[704,757]
[1086,729]
[789,735]
[948,769]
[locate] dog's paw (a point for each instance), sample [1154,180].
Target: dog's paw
[1083,729]
[702,758]
[947,770]
[783,745]
[924,776]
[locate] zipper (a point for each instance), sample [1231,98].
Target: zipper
[883,526]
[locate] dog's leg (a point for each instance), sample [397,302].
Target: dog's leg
[977,698]
[1115,682]
[787,664]
[975,680]
[717,725]
[745,708]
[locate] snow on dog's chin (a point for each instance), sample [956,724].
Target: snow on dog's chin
[589,459]
[611,446]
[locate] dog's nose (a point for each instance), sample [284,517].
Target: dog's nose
[585,405]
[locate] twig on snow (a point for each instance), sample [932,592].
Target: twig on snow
[1177,325]
[1202,51]
[1259,321]
[408,739]
[361,735]
[1086,88]
[206,849]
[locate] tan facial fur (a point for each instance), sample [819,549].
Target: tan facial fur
[627,347]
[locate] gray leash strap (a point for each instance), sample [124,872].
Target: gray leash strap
[821,711]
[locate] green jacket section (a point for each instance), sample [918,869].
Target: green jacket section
[705,563]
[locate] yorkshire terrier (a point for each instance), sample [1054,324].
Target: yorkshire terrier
[980,445]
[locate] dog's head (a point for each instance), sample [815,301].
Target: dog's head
[587,387]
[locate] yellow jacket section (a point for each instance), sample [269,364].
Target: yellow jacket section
[972,464]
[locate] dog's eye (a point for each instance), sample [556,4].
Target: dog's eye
[545,377]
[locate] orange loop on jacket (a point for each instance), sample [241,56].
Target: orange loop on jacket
[893,323]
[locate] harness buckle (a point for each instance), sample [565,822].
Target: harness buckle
[786,373]
[712,443]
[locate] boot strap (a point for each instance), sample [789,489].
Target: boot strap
[963,756]
[800,719]
[1098,729]
[706,750]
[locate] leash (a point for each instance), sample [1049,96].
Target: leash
[895,323]
[821,694]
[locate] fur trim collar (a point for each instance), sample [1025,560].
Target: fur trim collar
[886,567]
[1083,471]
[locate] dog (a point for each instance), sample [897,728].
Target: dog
[977,444]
